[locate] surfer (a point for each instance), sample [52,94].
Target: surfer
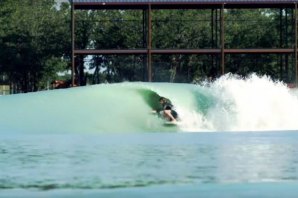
[167,111]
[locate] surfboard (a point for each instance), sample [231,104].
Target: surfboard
[168,123]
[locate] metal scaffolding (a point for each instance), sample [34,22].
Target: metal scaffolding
[217,8]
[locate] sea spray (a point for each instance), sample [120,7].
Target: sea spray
[252,104]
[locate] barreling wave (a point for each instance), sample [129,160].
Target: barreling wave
[228,104]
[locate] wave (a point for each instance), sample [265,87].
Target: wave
[230,103]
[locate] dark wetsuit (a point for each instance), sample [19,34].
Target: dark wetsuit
[168,106]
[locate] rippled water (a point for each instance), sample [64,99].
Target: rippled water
[103,162]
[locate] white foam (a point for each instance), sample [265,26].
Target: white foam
[251,104]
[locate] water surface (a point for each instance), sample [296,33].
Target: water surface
[157,161]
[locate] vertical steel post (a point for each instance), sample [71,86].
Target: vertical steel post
[286,45]
[296,65]
[149,44]
[216,34]
[212,27]
[144,28]
[281,43]
[212,35]
[144,44]
[72,45]
[222,39]
[216,28]
[292,44]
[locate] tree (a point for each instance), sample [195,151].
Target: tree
[33,42]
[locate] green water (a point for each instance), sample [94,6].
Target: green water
[124,107]
[237,138]
[150,164]
[228,104]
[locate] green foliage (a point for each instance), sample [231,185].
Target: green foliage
[32,33]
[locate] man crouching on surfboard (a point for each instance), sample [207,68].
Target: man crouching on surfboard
[167,110]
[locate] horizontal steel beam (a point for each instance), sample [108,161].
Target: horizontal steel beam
[260,51]
[110,51]
[179,5]
[184,51]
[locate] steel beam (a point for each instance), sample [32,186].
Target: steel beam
[72,45]
[180,4]
[183,51]
[295,48]
[149,44]
[260,51]
[222,39]
[110,51]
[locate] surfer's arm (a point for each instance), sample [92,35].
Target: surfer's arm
[169,115]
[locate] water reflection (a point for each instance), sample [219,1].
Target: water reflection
[103,161]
